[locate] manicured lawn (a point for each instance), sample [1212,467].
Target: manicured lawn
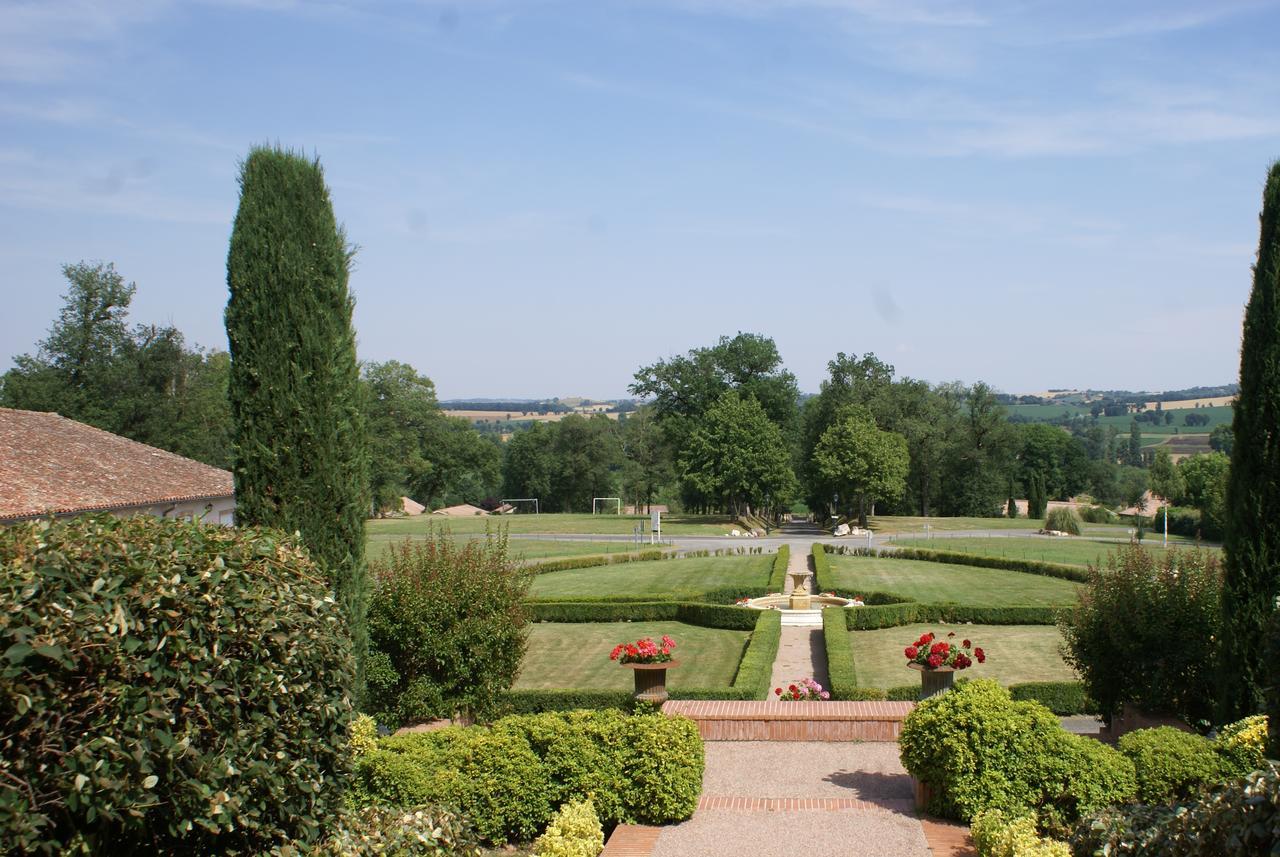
[576,655]
[618,525]
[528,550]
[1015,653]
[662,579]
[915,526]
[940,583]
[1071,551]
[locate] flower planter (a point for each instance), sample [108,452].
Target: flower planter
[651,681]
[934,681]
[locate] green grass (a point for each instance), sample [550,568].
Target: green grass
[526,550]
[618,525]
[661,579]
[939,583]
[1074,551]
[915,525]
[576,655]
[1015,653]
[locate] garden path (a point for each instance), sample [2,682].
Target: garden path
[802,651]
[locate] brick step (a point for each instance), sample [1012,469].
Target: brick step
[793,721]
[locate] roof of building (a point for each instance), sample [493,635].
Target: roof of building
[411,506]
[461,511]
[52,465]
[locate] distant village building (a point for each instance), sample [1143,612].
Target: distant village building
[51,465]
[465,510]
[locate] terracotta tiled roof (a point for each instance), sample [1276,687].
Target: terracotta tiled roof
[50,464]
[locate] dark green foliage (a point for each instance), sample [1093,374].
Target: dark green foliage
[756,668]
[842,677]
[1170,764]
[693,613]
[1252,544]
[167,687]
[447,625]
[1037,496]
[821,568]
[494,778]
[1272,658]
[1145,629]
[778,575]
[1063,520]
[301,461]
[378,831]
[564,464]
[978,749]
[1011,506]
[1099,515]
[1030,566]
[1061,697]
[601,559]
[643,769]
[1240,817]
[737,460]
[871,617]
[539,701]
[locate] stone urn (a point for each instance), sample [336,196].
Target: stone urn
[934,680]
[651,681]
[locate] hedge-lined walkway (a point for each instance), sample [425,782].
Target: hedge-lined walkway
[802,652]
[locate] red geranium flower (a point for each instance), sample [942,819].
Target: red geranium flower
[935,661]
[911,652]
[966,644]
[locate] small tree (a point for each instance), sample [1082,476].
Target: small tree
[862,461]
[1166,482]
[1037,496]
[447,626]
[1012,510]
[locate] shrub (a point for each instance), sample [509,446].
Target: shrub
[600,559]
[997,834]
[778,574]
[755,670]
[978,749]
[450,627]
[376,831]
[364,735]
[1243,745]
[1063,520]
[167,687]
[841,674]
[1099,515]
[494,778]
[574,831]
[1237,818]
[1170,764]
[1144,629]
[662,767]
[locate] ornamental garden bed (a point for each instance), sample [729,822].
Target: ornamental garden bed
[1076,551]
[1015,653]
[943,583]
[675,579]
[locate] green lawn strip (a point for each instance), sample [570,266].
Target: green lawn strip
[618,525]
[662,579]
[941,583]
[1067,551]
[576,655]
[1015,653]
[525,550]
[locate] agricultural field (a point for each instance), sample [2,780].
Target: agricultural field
[556,524]
[1218,415]
[1073,551]
[669,579]
[1015,653]
[518,417]
[576,655]
[941,583]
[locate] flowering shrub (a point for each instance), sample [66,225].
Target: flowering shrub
[932,653]
[643,651]
[1243,744]
[743,602]
[806,689]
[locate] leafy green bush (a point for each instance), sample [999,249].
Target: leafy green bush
[908,613]
[978,749]
[494,778]
[597,560]
[1243,745]
[574,831]
[447,626]
[1098,515]
[707,615]
[999,834]
[1144,631]
[167,687]
[778,575]
[662,766]
[378,831]
[821,568]
[1170,764]
[1063,520]
[756,667]
[1240,817]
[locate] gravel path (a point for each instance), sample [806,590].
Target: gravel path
[869,776]
[802,653]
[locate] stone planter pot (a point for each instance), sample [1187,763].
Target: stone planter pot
[934,681]
[651,681]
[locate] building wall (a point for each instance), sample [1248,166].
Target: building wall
[219,510]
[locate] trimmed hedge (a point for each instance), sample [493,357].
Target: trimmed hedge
[167,687]
[1171,764]
[707,615]
[842,677]
[822,581]
[1060,697]
[597,560]
[755,671]
[778,576]
[873,617]
[1027,566]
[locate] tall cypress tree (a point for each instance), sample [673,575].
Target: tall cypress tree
[1253,490]
[299,435]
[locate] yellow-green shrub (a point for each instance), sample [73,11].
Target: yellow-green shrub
[574,831]
[997,834]
[1170,764]
[364,735]
[379,831]
[1243,744]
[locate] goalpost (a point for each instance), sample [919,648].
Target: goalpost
[514,500]
[596,500]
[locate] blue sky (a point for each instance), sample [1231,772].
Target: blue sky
[547,195]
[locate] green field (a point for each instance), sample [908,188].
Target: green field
[524,550]
[905,524]
[576,655]
[1043,413]
[661,579]
[939,583]
[617,525]
[1015,653]
[1073,551]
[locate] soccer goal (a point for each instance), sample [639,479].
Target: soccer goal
[513,501]
[596,501]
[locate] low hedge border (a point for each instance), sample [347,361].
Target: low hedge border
[873,617]
[690,612]
[755,670]
[1026,566]
[778,577]
[821,568]
[723,595]
[597,560]
[842,677]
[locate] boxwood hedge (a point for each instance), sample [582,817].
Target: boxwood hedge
[167,687]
